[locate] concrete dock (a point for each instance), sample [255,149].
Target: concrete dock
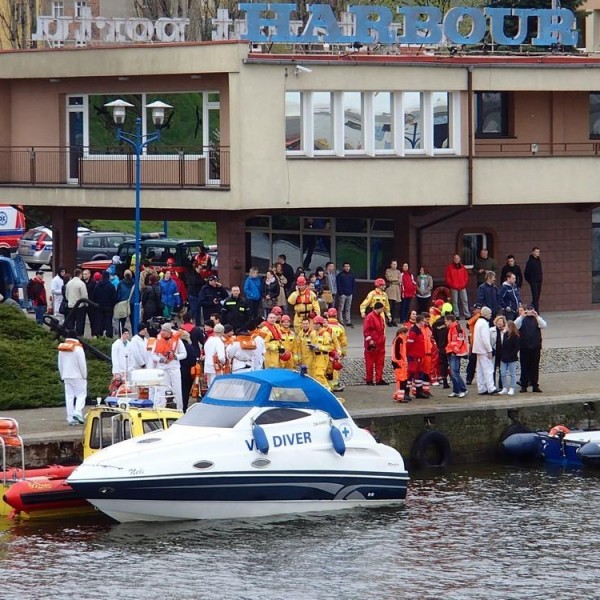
[570,380]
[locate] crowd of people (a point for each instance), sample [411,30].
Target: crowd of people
[290,318]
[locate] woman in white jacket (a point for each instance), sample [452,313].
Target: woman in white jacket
[482,347]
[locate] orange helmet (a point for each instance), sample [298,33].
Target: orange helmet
[277,310]
[332,312]
[301,280]
[286,319]
[170,262]
[319,321]
[380,282]
[285,356]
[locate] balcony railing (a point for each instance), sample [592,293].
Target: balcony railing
[512,149]
[162,167]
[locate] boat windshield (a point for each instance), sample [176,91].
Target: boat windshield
[233,389]
[211,415]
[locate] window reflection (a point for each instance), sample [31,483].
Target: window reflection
[353,121]
[354,251]
[293,121]
[595,115]
[412,121]
[382,106]
[440,119]
[323,121]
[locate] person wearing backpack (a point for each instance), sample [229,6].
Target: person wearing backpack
[456,349]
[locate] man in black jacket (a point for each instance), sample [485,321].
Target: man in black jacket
[530,325]
[235,311]
[195,282]
[534,276]
[210,297]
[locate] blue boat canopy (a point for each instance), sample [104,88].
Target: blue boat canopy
[273,388]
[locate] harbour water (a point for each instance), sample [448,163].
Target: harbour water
[489,532]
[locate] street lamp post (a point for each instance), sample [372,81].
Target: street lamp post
[138,141]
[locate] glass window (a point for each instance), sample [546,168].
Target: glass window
[322,121]
[353,121]
[260,221]
[102,139]
[75,100]
[279,415]
[150,425]
[381,250]
[79,6]
[183,126]
[203,414]
[316,251]
[258,250]
[413,111]
[293,121]
[279,394]
[288,244]
[351,225]
[383,225]
[441,119]
[491,114]
[596,256]
[382,107]
[470,246]
[352,249]
[595,115]
[58,9]
[282,222]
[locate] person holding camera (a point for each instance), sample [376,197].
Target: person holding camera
[210,297]
[509,297]
[530,326]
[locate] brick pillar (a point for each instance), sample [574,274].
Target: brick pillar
[231,241]
[64,240]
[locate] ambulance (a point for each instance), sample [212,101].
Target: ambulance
[12,228]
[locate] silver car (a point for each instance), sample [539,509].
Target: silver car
[35,247]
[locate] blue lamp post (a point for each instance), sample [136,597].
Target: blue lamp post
[138,141]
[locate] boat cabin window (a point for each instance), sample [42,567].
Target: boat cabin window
[287,395]
[210,415]
[170,422]
[152,425]
[102,431]
[234,389]
[280,415]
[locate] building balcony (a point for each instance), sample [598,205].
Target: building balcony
[86,167]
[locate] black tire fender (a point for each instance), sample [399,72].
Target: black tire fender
[431,449]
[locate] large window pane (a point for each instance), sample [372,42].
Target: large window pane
[491,114]
[351,225]
[288,244]
[441,114]
[354,251]
[323,121]
[382,106]
[102,129]
[293,121]
[259,221]
[353,121]
[595,115]
[258,250]
[413,136]
[381,253]
[183,126]
[316,251]
[281,222]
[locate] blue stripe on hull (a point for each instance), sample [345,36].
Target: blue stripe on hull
[252,488]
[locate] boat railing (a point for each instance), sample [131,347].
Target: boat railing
[10,438]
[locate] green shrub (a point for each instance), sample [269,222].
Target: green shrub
[29,364]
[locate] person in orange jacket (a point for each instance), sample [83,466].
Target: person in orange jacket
[400,364]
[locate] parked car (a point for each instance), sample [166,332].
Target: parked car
[35,247]
[100,245]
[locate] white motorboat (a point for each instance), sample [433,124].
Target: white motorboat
[264,443]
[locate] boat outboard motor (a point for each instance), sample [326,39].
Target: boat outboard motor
[525,446]
[260,438]
[589,454]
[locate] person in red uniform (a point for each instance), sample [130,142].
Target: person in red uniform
[374,341]
[415,353]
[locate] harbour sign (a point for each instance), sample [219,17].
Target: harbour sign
[418,25]
[265,23]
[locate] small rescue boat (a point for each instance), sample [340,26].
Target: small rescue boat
[44,492]
[259,444]
[559,445]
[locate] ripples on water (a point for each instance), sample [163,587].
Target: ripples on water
[497,532]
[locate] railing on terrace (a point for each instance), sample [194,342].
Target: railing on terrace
[85,166]
[513,149]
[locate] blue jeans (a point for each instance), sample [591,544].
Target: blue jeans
[458,385]
[40,311]
[511,367]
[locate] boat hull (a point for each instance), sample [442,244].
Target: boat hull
[240,495]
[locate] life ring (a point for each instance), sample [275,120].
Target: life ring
[558,431]
[431,449]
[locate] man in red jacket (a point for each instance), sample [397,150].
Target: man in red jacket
[374,340]
[457,279]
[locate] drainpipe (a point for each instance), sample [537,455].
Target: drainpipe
[471,151]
